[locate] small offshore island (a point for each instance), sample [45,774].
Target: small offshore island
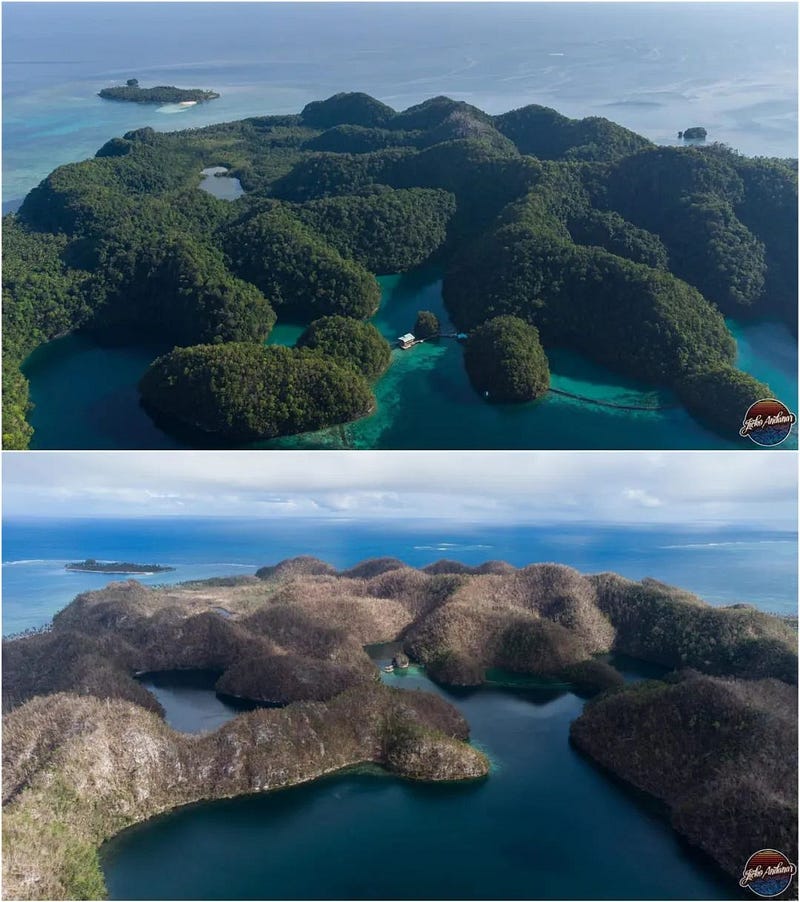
[551,233]
[133,93]
[714,739]
[695,133]
[92,566]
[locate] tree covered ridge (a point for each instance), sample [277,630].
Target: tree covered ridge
[626,251]
[506,362]
[244,391]
[351,343]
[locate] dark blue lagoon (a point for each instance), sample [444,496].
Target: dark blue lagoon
[545,824]
[189,701]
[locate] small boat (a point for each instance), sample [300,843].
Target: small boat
[389,668]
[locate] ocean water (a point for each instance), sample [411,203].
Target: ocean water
[724,566]
[655,68]
[545,824]
[86,397]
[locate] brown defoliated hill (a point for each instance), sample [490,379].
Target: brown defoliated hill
[80,728]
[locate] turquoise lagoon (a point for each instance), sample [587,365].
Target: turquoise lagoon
[85,396]
[730,67]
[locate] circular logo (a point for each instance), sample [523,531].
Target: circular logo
[767,422]
[768,873]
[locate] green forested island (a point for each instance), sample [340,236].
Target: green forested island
[90,565]
[696,133]
[87,752]
[589,234]
[133,93]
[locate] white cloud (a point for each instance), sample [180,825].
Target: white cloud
[640,496]
[755,488]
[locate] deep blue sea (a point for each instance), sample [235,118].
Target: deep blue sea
[654,67]
[724,566]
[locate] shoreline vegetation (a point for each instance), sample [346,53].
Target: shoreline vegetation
[132,92]
[118,567]
[588,234]
[293,636]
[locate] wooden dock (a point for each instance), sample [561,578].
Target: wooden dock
[418,341]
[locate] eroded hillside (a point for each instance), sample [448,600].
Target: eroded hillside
[86,750]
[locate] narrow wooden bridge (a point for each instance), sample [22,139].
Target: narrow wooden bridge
[598,403]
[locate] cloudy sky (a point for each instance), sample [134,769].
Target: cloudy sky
[754,489]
